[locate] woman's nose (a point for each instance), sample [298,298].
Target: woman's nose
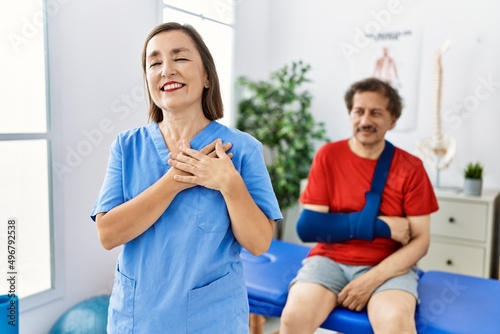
[167,70]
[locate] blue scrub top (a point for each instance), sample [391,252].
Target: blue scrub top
[184,274]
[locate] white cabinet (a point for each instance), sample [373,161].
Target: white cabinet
[464,234]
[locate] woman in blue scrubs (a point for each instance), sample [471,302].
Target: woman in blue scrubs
[183,195]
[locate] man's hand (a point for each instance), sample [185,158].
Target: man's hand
[400,228]
[356,294]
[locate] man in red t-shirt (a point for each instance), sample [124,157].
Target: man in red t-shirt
[379,274]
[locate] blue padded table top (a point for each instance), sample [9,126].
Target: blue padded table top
[268,276]
[458,304]
[449,303]
[267,279]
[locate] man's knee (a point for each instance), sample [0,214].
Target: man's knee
[293,315]
[297,320]
[307,306]
[393,315]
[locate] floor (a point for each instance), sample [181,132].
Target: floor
[273,324]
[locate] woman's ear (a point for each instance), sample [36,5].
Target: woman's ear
[206,82]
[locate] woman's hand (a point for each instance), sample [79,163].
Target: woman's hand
[209,150]
[250,226]
[210,167]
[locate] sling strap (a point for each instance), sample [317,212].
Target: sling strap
[366,221]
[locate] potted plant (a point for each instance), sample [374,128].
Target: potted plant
[473,174]
[277,112]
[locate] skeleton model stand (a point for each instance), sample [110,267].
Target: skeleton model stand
[436,151]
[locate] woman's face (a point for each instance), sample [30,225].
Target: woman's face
[174,72]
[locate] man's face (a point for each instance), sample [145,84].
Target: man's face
[370,118]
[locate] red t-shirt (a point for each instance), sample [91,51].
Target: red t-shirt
[339,179]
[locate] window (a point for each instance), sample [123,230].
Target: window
[213,19]
[25,173]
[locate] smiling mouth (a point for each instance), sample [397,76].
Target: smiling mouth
[171,87]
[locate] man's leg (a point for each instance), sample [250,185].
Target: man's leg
[307,306]
[392,312]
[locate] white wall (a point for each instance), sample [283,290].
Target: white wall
[314,30]
[94,50]
[96,88]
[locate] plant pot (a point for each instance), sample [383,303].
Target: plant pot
[473,187]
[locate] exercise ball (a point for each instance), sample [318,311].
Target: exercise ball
[87,317]
[9,320]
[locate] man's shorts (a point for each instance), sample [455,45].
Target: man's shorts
[335,276]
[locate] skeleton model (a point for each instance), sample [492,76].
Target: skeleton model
[436,151]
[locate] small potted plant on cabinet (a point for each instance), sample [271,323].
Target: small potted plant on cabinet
[473,183]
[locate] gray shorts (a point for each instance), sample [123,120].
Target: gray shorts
[335,276]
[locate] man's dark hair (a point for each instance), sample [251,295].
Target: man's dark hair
[395,105]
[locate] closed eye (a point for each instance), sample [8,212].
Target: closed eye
[154,64]
[357,112]
[181,59]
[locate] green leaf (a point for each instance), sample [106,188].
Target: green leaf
[277,112]
[473,171]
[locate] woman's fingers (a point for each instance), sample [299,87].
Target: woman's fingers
[200,168]
[209,150]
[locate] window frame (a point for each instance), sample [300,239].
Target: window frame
[54,233]
[230,107]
